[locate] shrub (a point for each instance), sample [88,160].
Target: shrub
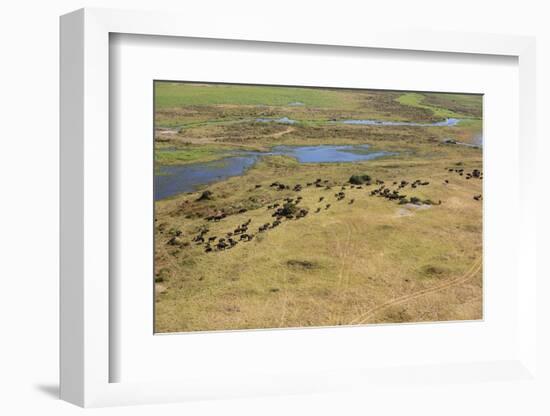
[289,209]
[359,179]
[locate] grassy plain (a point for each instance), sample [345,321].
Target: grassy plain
[369,261]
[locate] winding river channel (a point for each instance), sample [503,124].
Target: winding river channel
[171,180]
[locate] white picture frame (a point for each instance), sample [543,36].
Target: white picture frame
[86,356]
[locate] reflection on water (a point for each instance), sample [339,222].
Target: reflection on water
[448,122]
[173,180]
[282,120]
[328,154]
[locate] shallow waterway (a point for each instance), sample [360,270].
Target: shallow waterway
[448,122]
[173,180]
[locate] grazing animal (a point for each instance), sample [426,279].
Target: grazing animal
[321,198]
[477,197]
[302,213]
[351,201]
[247,237]
[327,206]
[318,210]
[340,195]
[206,195]
[216,218]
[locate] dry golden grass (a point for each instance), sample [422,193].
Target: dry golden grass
[372,261]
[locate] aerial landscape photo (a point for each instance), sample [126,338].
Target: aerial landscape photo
[292,207]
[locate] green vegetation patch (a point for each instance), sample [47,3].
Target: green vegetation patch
[468,105]
[189,154]
[414,99]
[175,94]
[359,179]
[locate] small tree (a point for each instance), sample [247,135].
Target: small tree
[359,179]
[289,209]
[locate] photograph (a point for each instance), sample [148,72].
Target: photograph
[296,206]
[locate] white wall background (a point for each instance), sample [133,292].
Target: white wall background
[29,56]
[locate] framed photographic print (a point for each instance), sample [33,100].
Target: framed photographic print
[275,214]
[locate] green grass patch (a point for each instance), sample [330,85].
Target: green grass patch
[414,99]
[189,154]
[172,94]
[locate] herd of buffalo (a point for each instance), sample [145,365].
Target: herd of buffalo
[289,209]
